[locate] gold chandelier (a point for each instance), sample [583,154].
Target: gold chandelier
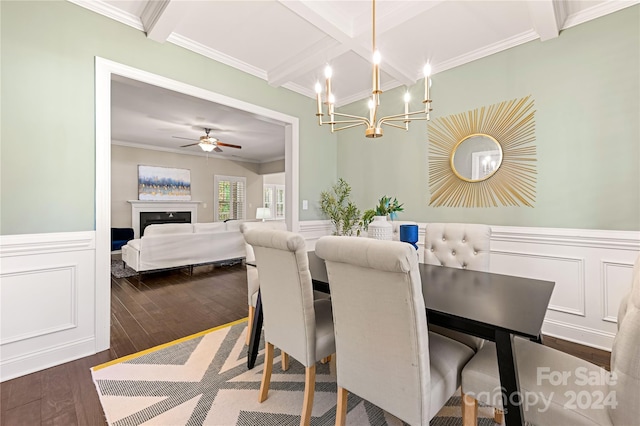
[372,123]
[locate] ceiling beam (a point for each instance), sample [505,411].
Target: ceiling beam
[305,62]
[160,18]
[548,17]
[307,11]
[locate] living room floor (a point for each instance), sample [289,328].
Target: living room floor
[162,307]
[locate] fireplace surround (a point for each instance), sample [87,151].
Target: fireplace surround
[162,212]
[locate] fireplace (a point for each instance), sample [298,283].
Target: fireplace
[161,212]
[152,218]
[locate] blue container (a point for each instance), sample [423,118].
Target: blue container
[409,234]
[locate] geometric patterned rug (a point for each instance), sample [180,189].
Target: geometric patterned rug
[203,380]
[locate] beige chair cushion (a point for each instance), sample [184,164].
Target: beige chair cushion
[462,246]
[293,322]
[253,282]
[457,245]
[545,398]
[625,356]
[382,341]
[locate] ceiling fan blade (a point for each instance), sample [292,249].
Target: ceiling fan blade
[228,144]
[216,149]
[191,144]
[187,139]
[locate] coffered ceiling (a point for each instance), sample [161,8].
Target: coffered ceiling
[287,43]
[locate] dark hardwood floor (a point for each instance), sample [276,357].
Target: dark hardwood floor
[163,307]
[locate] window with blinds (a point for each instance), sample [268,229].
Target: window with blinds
[230,200]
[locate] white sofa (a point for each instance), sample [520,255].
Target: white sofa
[173,245]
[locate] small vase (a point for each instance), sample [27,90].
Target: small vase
[380,229]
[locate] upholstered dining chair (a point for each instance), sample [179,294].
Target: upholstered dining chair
[253,282]
[560,389]
[385,353]
[462,246]
[293,321]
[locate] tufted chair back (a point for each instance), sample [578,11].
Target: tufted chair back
[458,245]
[625,357]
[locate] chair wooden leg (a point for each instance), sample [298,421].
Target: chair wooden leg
[309,389]
[341,407]
[498,416]
[252,312]
[266,373]
[469,410]
[325,359]
[332,365]
[285,361]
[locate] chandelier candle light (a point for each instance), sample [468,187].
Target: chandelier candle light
[372,123]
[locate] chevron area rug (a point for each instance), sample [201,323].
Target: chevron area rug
[203,380]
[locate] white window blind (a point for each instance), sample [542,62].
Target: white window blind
[230,197]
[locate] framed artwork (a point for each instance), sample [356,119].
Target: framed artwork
[163,183]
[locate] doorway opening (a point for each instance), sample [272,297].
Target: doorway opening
[105,71]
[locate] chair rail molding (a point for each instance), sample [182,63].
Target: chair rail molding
[591,268]
[47,300]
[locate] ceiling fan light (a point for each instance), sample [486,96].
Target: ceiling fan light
[206,146]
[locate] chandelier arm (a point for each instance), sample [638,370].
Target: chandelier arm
[345,122]
[348,127]
[394,125]
[357,117]
[400,117]
[386,122]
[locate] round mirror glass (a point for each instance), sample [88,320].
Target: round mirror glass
[476,157]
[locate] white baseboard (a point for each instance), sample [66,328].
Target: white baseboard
[591,268]
[50,357]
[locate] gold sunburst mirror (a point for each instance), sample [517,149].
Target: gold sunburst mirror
[484,157]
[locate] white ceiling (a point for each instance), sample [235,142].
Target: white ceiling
[288,43]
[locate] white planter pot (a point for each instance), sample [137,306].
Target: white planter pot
[380,228]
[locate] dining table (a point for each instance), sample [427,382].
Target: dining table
[491,306]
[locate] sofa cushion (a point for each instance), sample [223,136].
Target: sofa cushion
[233,225]
[209,227]
[168,228]
[134,244]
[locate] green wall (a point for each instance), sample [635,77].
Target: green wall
[586,88]
[47,153]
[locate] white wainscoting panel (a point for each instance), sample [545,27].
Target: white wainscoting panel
[47,300]
[616,283]
[568,274]
[591,270]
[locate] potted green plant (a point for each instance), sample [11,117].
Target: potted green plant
[386,207]
[341,211]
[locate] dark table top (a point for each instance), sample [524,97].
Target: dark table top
[514,304]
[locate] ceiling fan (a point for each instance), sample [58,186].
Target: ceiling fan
[209,143]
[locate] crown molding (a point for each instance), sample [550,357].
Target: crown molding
[485,51]
[597,11]
[110,11]
[203,50]
[193,153]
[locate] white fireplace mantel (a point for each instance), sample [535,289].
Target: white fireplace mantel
[138,206]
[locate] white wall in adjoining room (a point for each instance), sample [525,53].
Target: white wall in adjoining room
[124,180]
[274,179]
